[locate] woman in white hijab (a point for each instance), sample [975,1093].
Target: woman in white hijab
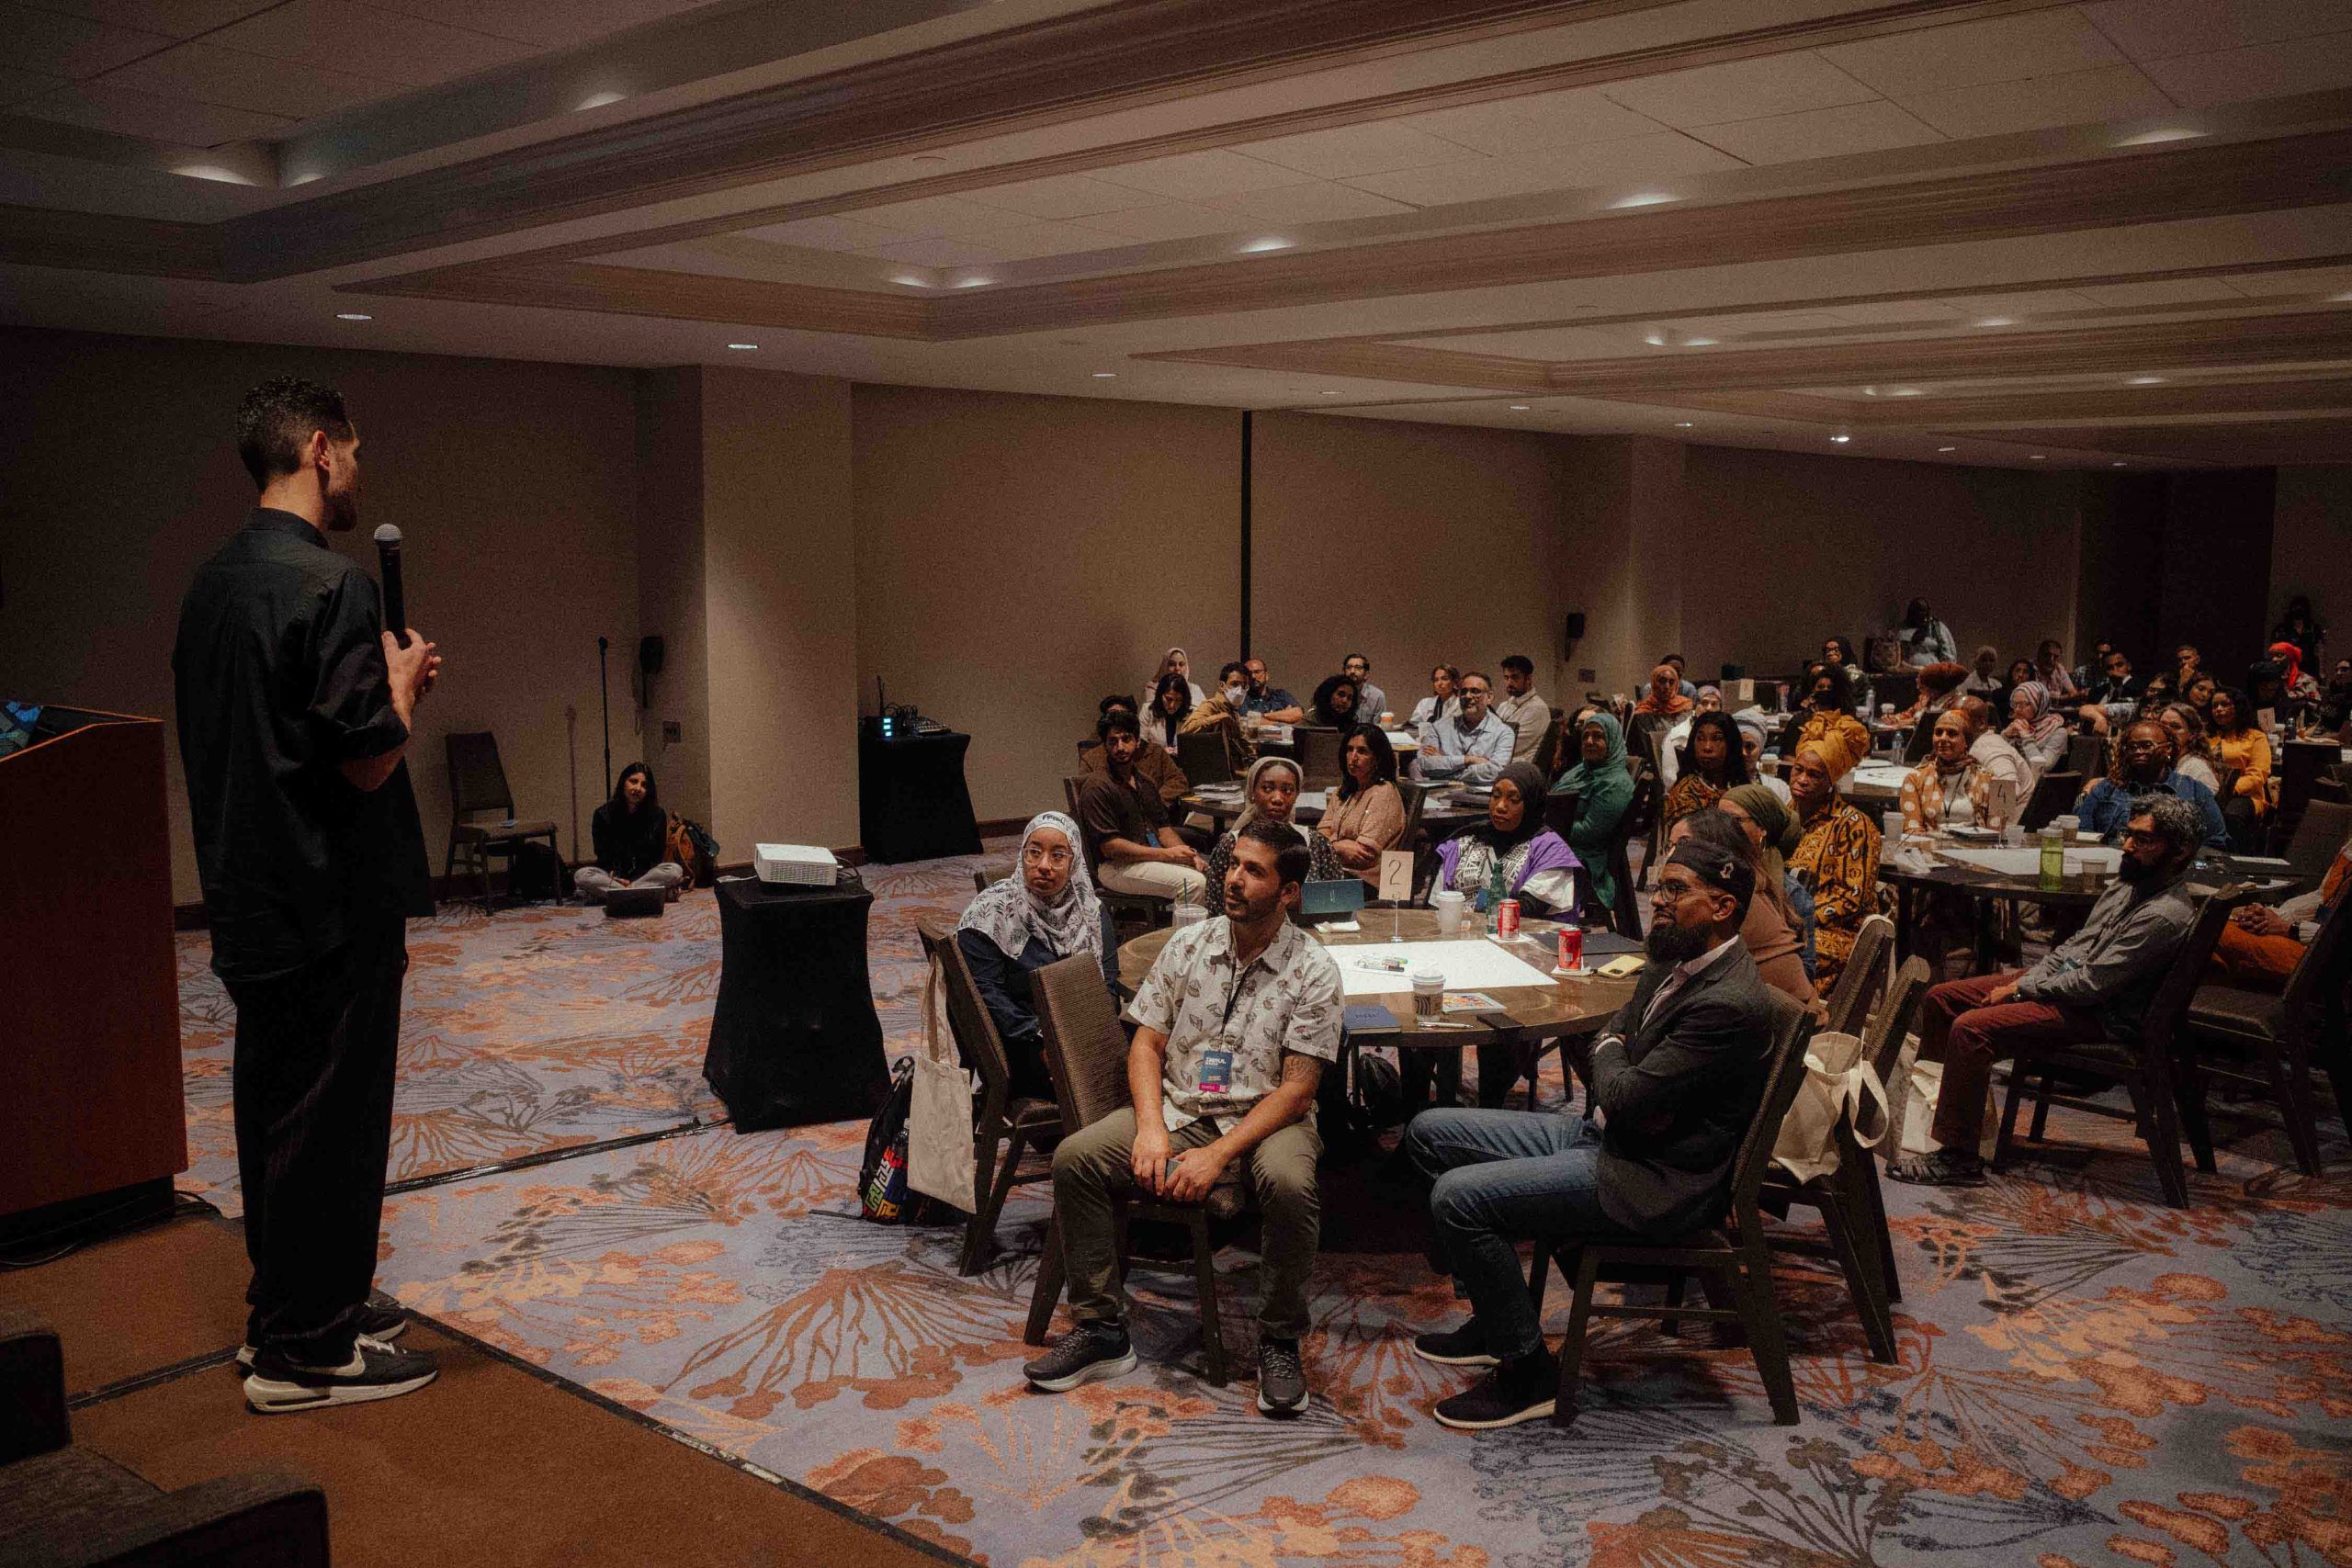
[1046,910]
[1269,789]
[1176,661]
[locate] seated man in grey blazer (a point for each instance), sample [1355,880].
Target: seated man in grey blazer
[1675,1081]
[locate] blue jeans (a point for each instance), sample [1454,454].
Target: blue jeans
[1502,1176]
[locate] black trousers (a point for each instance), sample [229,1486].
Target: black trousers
[312,1074]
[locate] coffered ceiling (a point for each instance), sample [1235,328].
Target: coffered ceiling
[2002,231]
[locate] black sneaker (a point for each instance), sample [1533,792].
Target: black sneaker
[1524,1388]
[1282,1380]
[381,1319]
[1945,1167]
[1463,1347]
[1093,1350]
[277,1386]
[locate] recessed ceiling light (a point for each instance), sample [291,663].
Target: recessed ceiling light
[1656,340]
[1997,321]
[2119,465]
[974,282]
[1947,448]
[352,316]
[1870,391]
[1269,245]
[1906,392]
[2145,381]
[1697,342]
[2168,133]
[743,345]
[1644,199]
[1106,374]
[598,100]
[1519,408]
[1841,440]
[910,280]
[1681,424]
[2036,458]
[1332,393]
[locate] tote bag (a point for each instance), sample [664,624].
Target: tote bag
[1838,1085]
[939,1127]
[1926,1081]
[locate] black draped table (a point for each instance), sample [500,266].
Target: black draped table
[912,803]
[795,1039]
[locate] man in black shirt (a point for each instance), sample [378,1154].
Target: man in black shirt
[294,707]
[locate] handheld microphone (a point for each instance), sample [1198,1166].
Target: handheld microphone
[388,562]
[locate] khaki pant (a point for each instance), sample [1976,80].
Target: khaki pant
[1156,879]
[1093,1170]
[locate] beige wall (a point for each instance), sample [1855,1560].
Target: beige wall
[1380,538]
[1783,548]
[779,587]
[2310,544]
[670,565]
[120,475]
[1019,557]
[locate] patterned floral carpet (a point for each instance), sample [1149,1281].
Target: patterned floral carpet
[2084,1377]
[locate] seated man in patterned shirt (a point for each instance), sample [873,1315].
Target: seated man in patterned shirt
[1234,1024]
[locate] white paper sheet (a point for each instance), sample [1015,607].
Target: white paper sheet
[1476,964]
[2028,862]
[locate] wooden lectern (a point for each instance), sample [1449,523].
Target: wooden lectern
[91,1126]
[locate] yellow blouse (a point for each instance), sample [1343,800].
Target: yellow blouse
[2249,753]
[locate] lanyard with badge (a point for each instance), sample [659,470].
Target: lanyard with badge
[1214,1075]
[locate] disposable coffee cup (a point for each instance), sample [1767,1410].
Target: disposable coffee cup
[1891,822]
[1387,719]
[1188,914]
[1449,906]
[1429,993]
[2069,826]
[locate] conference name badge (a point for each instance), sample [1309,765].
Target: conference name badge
[1216,1072]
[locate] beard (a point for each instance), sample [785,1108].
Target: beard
[2136,871]
[1674,944]
[343,509]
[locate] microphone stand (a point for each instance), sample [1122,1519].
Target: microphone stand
[605,704]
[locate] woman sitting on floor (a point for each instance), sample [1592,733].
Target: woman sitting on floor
[1512,854]
[1366,814]
[1044,912]
[1603,787]
[1269,791]
[1713,760]
[1837,856]
[631,834]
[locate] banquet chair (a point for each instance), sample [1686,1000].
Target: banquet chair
[1087,1053]
[2317,837]
[999,1117]
[477,783]
[2283,1031]
[1318,755]
[2146,1064]
[2302,765]
[987,876]
[1734,1258]
[1627,912]
[1853,1209]
[2086,755]
[1858,984]
[1202,759]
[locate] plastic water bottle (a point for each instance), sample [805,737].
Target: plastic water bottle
[2053,858]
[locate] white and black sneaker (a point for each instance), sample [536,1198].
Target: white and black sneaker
[1093,1350]
[1525,1388]
[276,1386]
[1463,1347]
[1282,1378]
[382,1318]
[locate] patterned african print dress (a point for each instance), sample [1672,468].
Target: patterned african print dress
[1836,860]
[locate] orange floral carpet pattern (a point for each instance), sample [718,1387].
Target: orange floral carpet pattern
[2085,1378]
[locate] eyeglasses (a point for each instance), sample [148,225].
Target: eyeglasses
[2142,835]
[1038,854]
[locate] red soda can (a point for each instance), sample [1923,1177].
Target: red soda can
[1571,947]
[1506,917]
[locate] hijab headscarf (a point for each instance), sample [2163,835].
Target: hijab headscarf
[1528,778]
[2289,660]
[2042,722]
[1779,823]
[1008,914]
[1609,779]
[1250,787]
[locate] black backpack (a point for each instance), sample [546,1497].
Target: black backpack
[882,1192]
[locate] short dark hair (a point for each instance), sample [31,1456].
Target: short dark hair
[1674,658]
[1115,699]
[1229,667]
[1480,673]
[276,420]
[1291,857]
[1519,664]
[1367,661]
[1118,721]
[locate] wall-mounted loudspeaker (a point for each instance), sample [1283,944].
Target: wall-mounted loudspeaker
[1575,624]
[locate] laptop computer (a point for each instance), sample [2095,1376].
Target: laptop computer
[1338,900]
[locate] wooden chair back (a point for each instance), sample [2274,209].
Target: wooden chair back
[2319,975]
[1627,912]
[477,778]
[987,876]
[1085,1048]
[2302,765]
[1792,1027]
[2086,755]
[1863,977]
[1883,1041]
